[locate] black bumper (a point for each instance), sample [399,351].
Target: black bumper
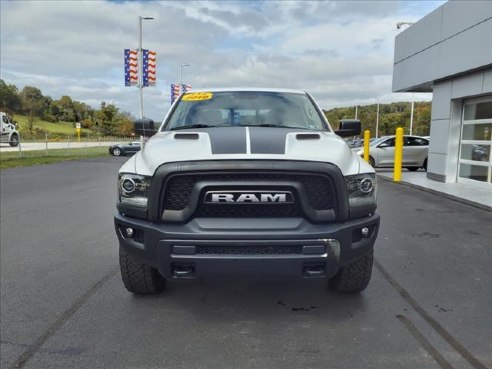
[290,246]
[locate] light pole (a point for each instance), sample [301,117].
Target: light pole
[140,62]
[411,114]
[181,73]
[377,120]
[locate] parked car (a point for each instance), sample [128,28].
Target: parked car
[382,152]
[124,148]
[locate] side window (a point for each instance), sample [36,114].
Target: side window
[5,120]
[416,141]
[390,142]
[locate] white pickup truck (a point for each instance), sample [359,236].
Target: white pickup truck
[9,133]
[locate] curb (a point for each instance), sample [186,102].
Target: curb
[435,192]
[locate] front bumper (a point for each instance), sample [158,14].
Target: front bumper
[290,246]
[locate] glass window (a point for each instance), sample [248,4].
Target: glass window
[477,132]
[415,141]
[244,108]
[481,110]
[476,172]
[475,152]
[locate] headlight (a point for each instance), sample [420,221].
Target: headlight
[133,190]
[361,189]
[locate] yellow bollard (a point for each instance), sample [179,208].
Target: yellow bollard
[398,154]
[367,137]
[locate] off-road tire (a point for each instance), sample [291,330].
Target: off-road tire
[355,276]
[14,141]
[413,169]
[117,151]
[139,278]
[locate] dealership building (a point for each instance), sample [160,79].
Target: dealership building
[449,53]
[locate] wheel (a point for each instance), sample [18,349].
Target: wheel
[425,165]
[14,141]
[413,169]
[355,276]
[117,151]
[372,162]
[139,278]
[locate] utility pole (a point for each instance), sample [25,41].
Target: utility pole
[377,120]
[356,111]
[140,63]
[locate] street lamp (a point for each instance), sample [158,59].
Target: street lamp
[181,73]
[400,24]
[140,62]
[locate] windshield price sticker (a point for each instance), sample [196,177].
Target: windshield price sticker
[197,96]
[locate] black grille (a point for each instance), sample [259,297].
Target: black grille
[318,189]
[249,211]
[249,250]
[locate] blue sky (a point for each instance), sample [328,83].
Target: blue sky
[341,52]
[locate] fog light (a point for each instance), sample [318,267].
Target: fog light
[129,232]
[364,231]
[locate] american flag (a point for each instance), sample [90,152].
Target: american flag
[174,92]
[149,67]
[185,88]
[131,67]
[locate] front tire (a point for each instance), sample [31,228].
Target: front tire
[117,151]
[355,276]
[372,162]
[139,278]
[14,141]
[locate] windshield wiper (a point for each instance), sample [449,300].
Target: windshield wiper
[193,126]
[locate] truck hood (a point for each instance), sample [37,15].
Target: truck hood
[244,143]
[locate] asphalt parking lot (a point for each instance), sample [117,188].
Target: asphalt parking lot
[63,304]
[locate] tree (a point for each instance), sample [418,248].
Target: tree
[10,101]
[107,118]
[32,104]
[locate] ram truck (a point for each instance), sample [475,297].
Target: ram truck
[246,181]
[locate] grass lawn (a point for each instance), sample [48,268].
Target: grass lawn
[12,159]
[59,127]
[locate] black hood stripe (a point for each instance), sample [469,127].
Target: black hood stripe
[268,140]
[257,140]
[226,140]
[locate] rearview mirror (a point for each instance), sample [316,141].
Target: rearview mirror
[144,127]
[349,127]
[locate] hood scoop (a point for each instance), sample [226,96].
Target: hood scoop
[186,136]
[308,136]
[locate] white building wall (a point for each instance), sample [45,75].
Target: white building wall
[449,53]
[445,132]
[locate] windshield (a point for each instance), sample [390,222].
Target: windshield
[240,109]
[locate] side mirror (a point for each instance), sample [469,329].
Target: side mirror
[144,127]
[349,127]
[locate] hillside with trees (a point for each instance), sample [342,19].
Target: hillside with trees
[30,102]
[391,116]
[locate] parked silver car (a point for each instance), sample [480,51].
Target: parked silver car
[382,152]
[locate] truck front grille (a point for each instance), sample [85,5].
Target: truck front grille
[318,190]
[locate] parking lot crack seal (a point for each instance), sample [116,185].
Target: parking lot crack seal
[55,326]
[453,342]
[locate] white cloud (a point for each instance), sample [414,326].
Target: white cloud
[342,52]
